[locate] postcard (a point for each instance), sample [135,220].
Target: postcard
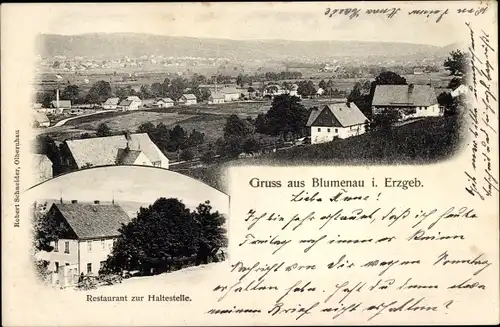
[274,163]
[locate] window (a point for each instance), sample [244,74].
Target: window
[89,246]
[56,246]
[328,130]
[57,266]
[319,129]
[89,268]
[66,247]
[103,244]
[336,130]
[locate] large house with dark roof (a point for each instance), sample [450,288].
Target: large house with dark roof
[126,149]
[410,100]
[86,235]
[338,120]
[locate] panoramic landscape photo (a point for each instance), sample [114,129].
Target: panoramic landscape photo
[196,105]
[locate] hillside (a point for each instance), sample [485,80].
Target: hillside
[115,45]
[421,142]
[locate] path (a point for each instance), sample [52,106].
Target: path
[64,121]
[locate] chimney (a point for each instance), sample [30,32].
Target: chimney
[74,201]
[348,104]
[57,98]
[60,200]
[96,202]
[128,138]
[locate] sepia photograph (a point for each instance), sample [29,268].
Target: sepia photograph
[93,228]
[274,163]
[194,104]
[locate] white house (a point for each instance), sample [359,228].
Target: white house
[462,89]
[339,120]
[410,100]
[231,94]
[86,235]
[111,104]
[127,149]
[216,98]
[164,103]
[130,103]
[187,99]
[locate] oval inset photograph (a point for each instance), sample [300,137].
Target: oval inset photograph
[126,226]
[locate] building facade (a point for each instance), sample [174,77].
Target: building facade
[340,120]
[411,101]
[86,234]
[187,99]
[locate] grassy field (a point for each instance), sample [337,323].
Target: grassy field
[422,142]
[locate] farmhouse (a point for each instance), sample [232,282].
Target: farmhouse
[60,105]
[42,168]
[86,234]
[111,104]
[339,120]
[231,94]
[164,103]
[216,98]
[410,100]
[127,149]
[187,99]
[462,89]
[40,119]
[130,103]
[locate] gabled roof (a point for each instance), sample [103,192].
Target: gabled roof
[344,115]
[217,96]
[93,220]
[39,159]
[404,95]
[230,90]
[126,102]
[100,151]
[166,100]
[112,101]
[134,98]
[62,103]
[189,96]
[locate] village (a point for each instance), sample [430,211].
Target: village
[188,125]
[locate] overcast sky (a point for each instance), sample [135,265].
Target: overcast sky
[290,21]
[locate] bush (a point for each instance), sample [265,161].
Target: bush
[187,155]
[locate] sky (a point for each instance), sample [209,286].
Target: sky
[278,20]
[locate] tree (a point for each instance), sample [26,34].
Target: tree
[286,115]
[164,233]
[187,155]
[261,124]
[71,92]
[355,93]
[389,78]
[322,84]
[445,99]
[229,147]
[386,119]
[145,92]
[456,64]
[251,145]
[99,92]
[146,127]
[212,233]
[236,127]
[56,64]
[208,157]
[157,90]
[103,130]
[306,88]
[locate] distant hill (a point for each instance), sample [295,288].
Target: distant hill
[115,45]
